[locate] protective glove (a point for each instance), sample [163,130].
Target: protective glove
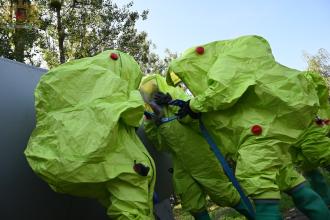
[150,116]
[185,109]
[241,208]
[162,98]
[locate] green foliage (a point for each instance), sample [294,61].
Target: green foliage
[320,62]
[18,39]
[6,40]
[63,30]
[156,64]
[89,27]
[52,58]
[215,212]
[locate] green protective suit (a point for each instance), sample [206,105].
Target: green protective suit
[312,150]
[253,107]
[84,143]
[196,170]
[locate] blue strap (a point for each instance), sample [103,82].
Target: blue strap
[226,167]
[165,120]
[162,120]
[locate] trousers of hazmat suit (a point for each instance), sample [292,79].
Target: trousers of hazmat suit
[253,107]
[84,143]
[197,172]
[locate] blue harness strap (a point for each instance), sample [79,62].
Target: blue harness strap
[226,167]
[162,120]
[222,160]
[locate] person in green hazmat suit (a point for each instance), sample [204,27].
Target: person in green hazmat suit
[196,172]
[312,150]
[85,144]
[255,109]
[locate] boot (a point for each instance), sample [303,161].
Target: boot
[267,209]
[309,203]
[319,184]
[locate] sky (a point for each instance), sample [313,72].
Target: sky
[290,26]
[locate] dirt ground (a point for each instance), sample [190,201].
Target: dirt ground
[294,214]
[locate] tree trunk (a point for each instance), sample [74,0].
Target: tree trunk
[19,44]
[18,38]
[61,35]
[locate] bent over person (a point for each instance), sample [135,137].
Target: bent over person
[196,172]
[255,109]
[84,143]
[312,150]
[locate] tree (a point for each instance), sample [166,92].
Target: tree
[320,62]
[156,64]
[70,29]
[18,34]
[74,29]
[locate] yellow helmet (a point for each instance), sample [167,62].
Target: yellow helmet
[148,85]
[175,79]
[148,88]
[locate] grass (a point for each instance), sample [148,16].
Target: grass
[216,213]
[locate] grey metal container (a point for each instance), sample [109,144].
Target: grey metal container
[24,196]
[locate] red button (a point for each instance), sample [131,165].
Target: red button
[319,121]
[114,56]
[200,50]
[256,129]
